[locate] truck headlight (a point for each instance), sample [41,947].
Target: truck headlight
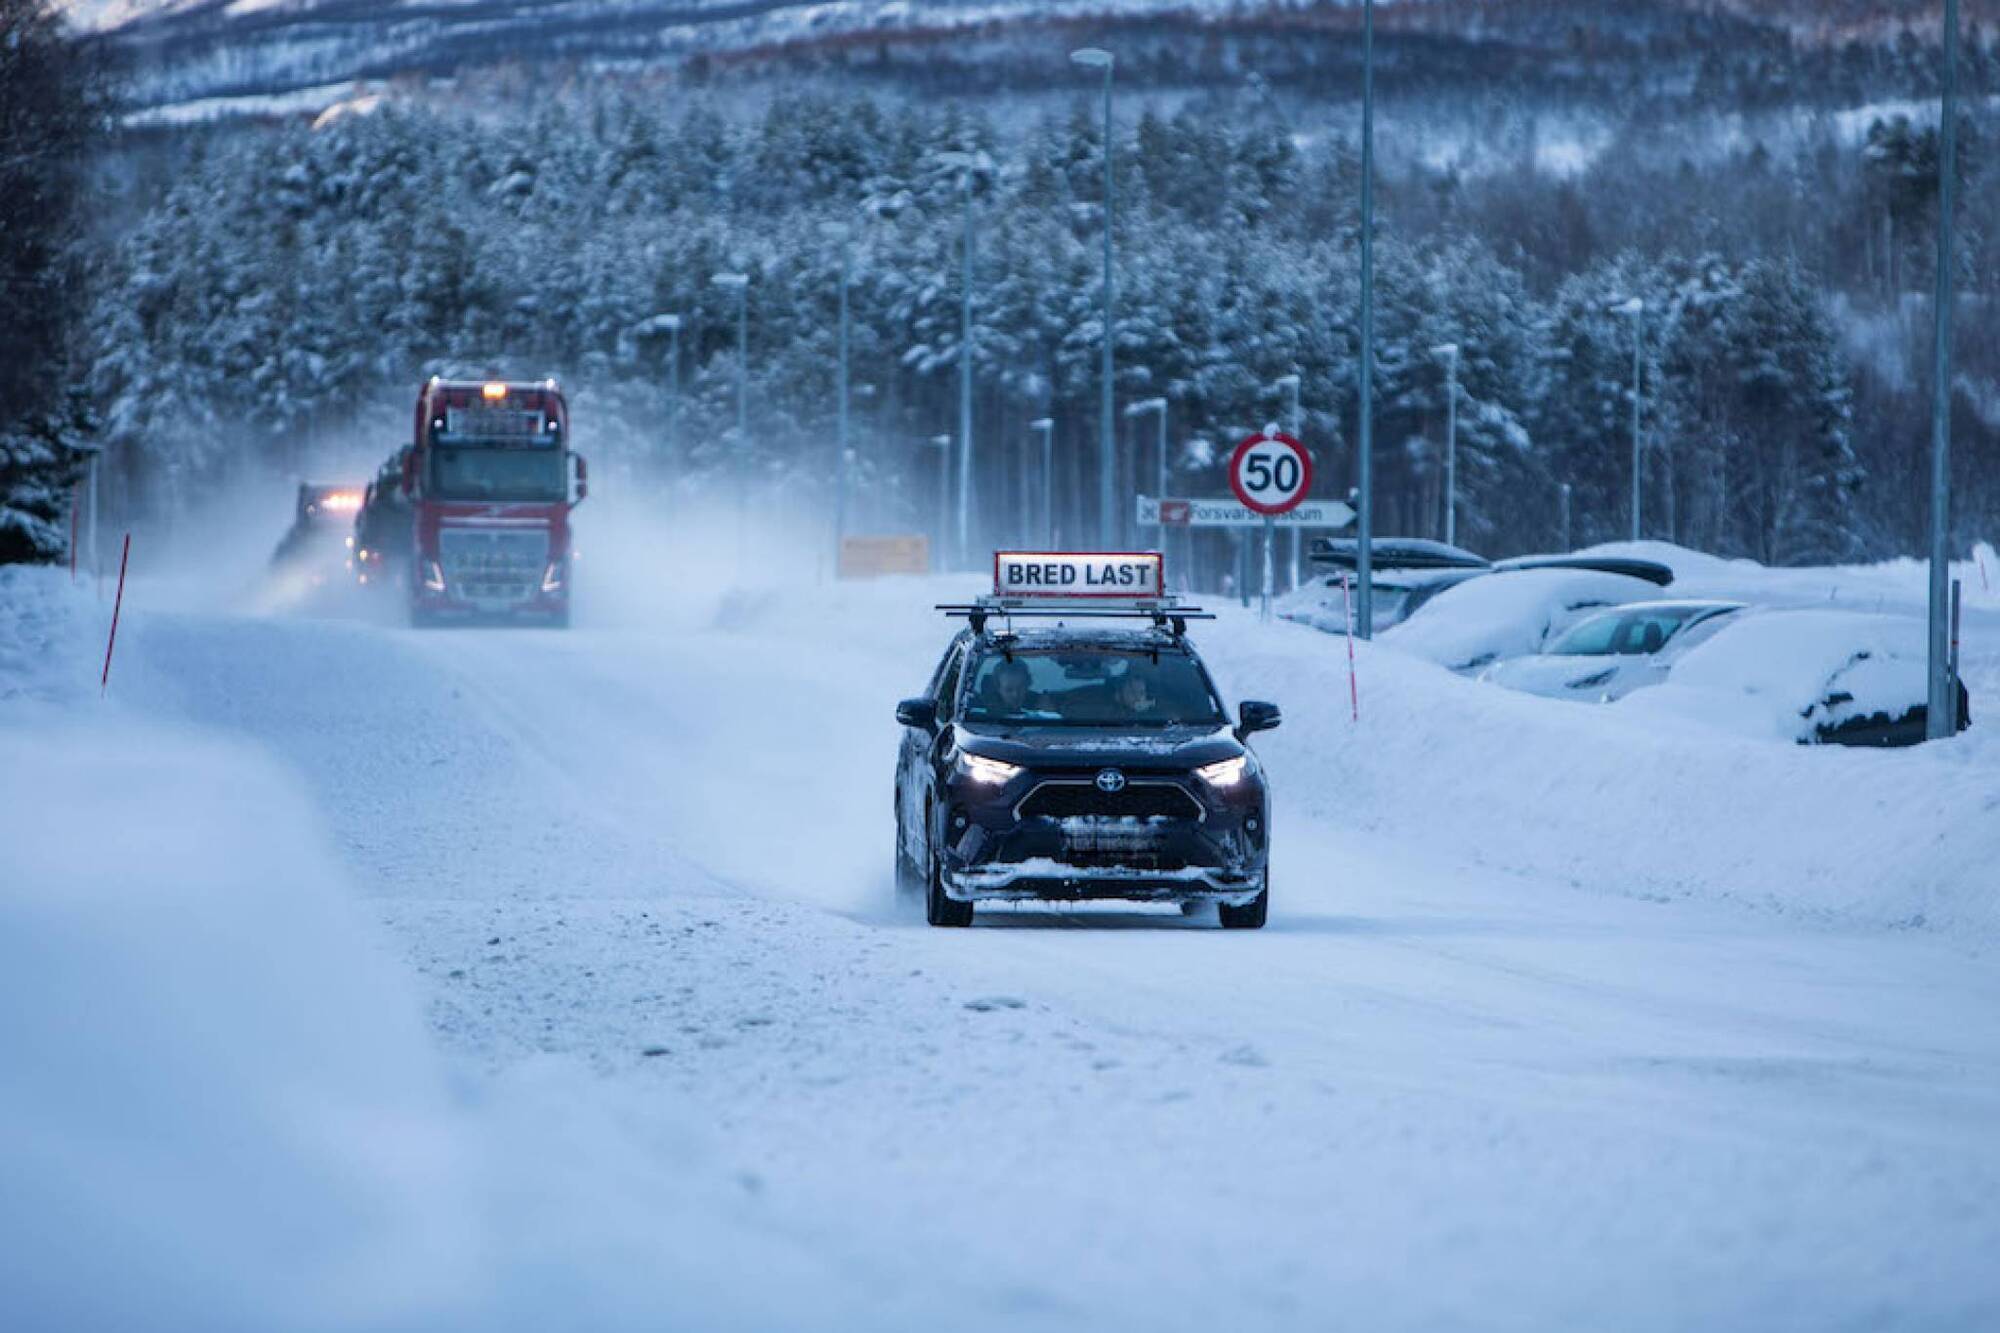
[552,578]
[433,576]
[986,772]
[1224,773]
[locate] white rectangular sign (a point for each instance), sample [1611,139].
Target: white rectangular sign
[1076,573]
[1230,514]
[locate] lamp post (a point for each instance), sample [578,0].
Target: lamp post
[1139,409]
[740,284]
[1448,353]
[1941,701]
[1046,428]
[672,325]
[1091,57]
[1295,422]
[1636,308]
[965,164]
[1364,523]
[1566,544]
[942,443]
[839,234]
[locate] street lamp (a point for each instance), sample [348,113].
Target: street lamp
[740,284]
[1448,353]
[1295,421]
[1566,546]
[840,235]
[942,443]
[1133,413]
[1046,426]
[1636,308]
[1364,478]
[965,164]
[671,326]
[1091,57]
[1941,701]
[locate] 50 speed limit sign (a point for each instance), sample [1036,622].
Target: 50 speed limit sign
[1271,473]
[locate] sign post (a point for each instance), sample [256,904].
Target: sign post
[1271,473]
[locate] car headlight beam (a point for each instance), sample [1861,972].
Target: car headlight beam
[1224,773]
[987,772]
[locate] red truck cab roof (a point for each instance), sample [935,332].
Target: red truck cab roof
[491,412]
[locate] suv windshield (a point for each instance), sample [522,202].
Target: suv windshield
[1091,687]
[1630,633]
[498,474]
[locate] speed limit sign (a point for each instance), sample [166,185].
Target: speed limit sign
[1271,473]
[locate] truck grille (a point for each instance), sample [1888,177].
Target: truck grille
[1072,799]
[493,564]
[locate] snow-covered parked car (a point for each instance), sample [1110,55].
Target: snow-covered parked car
[1608,655]
[1810,676]
[1406,572]
[1511,613]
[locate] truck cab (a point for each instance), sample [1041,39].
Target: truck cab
[490,481]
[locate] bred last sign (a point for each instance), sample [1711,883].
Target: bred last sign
[1077,573]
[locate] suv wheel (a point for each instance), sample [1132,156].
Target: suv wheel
[908,881]
[938,909]
[1251,915]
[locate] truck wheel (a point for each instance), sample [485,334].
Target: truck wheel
[1251,915]
[938,909]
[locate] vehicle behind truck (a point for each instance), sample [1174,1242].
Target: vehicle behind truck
[472,519]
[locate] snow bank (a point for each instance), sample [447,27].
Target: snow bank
[1509,614]
[1614,802]
[221,1107]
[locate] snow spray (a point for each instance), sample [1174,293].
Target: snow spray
[104,681]
[1353,690]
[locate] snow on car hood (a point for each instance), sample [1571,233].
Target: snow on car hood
[1173,747]
[1558,677]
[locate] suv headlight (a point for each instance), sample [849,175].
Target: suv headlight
[1224,773]
[986,772]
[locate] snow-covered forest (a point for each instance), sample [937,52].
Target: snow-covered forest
[288,288]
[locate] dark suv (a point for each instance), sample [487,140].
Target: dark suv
[1080,761]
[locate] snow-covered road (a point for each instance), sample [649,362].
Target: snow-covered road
[1468,1077]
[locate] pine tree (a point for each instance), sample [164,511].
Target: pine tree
[50,113]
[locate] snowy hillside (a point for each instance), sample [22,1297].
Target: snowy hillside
[513,979]
[185,50]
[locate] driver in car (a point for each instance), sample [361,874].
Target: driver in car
[1134,693]
[1007,690]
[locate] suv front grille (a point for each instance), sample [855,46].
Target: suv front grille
[1080,798]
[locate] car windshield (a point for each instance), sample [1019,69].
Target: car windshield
[1634,632]
[498,474]
[1091,687]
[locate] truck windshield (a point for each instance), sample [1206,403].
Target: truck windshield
[498,474]
[1091,687]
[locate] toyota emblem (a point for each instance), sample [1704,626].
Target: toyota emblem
[1110,780]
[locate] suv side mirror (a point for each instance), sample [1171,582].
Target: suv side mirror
[1254,715]
[919,713]
[582,478]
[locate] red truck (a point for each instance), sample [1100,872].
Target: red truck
[476,525]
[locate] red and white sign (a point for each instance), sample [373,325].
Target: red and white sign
[1077,573]
[1271,473]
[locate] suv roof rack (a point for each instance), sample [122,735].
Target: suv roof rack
[1165,614]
